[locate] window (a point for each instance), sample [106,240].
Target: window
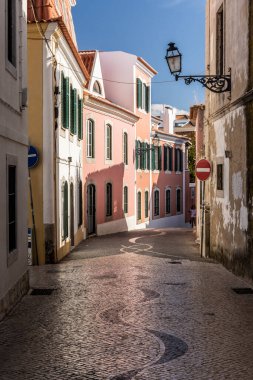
[156,203]
[80,118]
[64,101]
[108,142]
[139,205]
[138,154]
[178,160]
[73,110]
[108,199]
[156,157]
[90,139]
[146,204]
[220,177]
[80,198]
[143,96]
[220,41]
[178,196]
[11,31]
[97,87]
[168,158]
[65,210]
[12,199]
[167,201]
[125,199]
[125,148]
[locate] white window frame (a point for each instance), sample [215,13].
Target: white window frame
[90,141]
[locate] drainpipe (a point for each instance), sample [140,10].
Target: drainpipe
[56,114]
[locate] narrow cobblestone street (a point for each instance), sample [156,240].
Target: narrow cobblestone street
[139,305]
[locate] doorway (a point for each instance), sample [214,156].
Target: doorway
[91,209]
[72,216]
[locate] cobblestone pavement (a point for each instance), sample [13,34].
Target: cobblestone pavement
[144,312]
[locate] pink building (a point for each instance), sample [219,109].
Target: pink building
[108,161]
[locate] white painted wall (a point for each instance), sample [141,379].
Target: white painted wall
[13,142]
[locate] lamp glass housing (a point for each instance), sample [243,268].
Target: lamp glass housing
[174,59]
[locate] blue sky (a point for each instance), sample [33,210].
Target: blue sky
[144,27]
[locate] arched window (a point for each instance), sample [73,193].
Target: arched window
[90,139]
[146,204]
[178,200]
[108,142]
[108,199]
[125,148]
[139,205]
[80,198]
[97,87]
[125,199]
[65,210]
[156,203]
[167,201]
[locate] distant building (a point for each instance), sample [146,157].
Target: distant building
[108,157]
[14,154]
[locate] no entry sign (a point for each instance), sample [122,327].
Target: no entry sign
[33,157]
[203,170]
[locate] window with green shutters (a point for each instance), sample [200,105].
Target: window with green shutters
[73,110]
[147,99]
[90,151]
[170,159]
[139,205]
[125,199]
[64,101]
[80,118]
[125,148]
[159,158]
[178,160]
[156,158]
[108,142]
[137,155]
[146,204]
[139,93]
[148,156]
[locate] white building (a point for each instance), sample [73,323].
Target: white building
[13,154]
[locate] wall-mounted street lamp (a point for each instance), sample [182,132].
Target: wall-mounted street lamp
[215,83]
[156,140]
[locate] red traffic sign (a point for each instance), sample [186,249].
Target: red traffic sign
[203,170]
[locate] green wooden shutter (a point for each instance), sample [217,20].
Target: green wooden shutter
[67,101]
[153,157]
[136,155]
[148,158]
[142,156]
[80,118]
[147,105]
[165,160]
[63,99]
[71,106]
[181,160]
[75,111]
[139,93]
[159,158]
[65,211]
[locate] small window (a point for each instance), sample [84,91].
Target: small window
[97,87]
[11,31]
[156,203]
[143,96]
[108,199]
[167,201]
[178,200]
[125,148]
[220,177]
[139,205]
[108,142]
[12,199]
[146,204]
[90,139]
[178,160]
[125,199]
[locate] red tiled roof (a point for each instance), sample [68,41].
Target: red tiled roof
[45,10]
[88,57]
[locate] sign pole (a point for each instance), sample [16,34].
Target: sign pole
[203,216]
[33,219]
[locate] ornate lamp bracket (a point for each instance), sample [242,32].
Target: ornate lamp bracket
[214,83]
